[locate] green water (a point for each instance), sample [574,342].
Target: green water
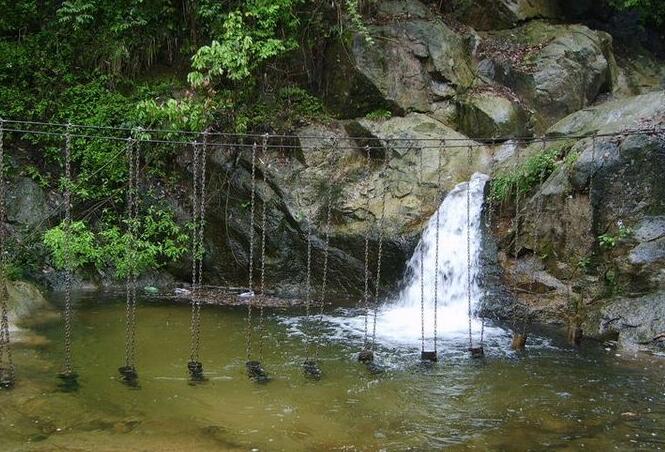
[551,397]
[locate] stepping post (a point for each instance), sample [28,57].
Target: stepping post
[311,369]
[256,372]
[477,352]
[366,356]
[430,356]
[129,376]
[196,371]
[68,381]
[519,342]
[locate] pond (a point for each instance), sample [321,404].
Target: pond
[550,396]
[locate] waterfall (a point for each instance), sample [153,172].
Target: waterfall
[399,319]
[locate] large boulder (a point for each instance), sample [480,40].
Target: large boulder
[598,220]
[409,61]
[488,113]
[555,69]
[497,14]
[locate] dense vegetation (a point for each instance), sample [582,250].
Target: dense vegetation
[240,65]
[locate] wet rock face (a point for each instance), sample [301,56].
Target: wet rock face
[24,299]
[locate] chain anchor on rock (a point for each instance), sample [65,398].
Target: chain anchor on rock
[68,378]
[7,369]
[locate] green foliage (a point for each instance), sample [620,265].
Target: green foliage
[608,241]
[76,13]
[290,107]
[379,114]
[185,114]
[261,30]
[651,11]
[160,241]
[356,19]
[72,245]
[528,174]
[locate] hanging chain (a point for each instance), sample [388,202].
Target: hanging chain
[379,252]
[68,366]
[422,270]
[468,247]
[308,288]
[326,252]
[262,298]
[193,356]
[516,228]
[133,157]
[7,370]
[198,218]
[250,283]
[436,249]
[367,233]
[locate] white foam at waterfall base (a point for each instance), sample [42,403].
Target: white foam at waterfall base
[398,321]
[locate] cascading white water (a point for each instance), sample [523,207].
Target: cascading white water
[401,320]
[398,321]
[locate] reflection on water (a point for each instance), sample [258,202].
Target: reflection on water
[550,397]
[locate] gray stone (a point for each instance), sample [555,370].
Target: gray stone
[637,321]
[622,114]
[650,228]
[648,252]
[27,204]
[406,59]
[488,114]
[555,69]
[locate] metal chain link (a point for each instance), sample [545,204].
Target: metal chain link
[379,252]
[133,157]
[468,247]
[422,270]
[195,249]
[308,289]
[326,252]
[436,249]
[262,298]
[68,366]
[250,283]
[516,228]
[367,233]
[7,369]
